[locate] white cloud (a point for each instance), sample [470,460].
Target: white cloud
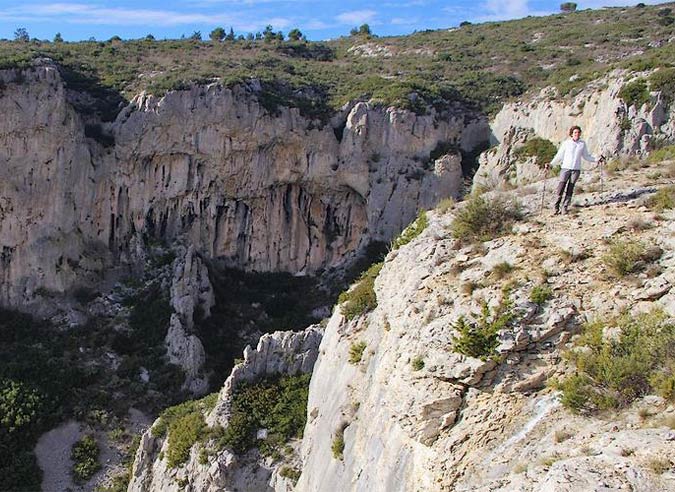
[356,16]
[316,24]
[496,10]
[404,21]
[507,9]
[77,13]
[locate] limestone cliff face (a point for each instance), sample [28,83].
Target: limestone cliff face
[610,127]
[211,166]
[415,415]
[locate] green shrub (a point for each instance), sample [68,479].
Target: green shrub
[482,219]
[292,474]
[480,339]
[172,414]
[84,455]
[338,444]
[412,231]
[663,80]
[20,406]
[540,294]
[356,352]
[627,256]
[184,432]
[663,199]
[418,363]
[541,149]
[612,371]
[635,93]
[662,154]
[278,404]
[361,298]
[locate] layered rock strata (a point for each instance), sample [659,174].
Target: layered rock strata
[266,192]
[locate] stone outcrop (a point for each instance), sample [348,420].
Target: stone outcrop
[277,353]
[190,289]
[414,415]
[610,127]
[264,191]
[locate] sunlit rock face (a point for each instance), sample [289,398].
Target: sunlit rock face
[211,167]
[610,127]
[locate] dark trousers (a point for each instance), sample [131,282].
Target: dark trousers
[568,178]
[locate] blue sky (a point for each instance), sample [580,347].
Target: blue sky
[317,19]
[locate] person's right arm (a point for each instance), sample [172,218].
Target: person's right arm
[558,156]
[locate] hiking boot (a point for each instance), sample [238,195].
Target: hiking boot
[556,211]
[565,211]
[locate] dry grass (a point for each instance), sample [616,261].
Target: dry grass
[659,464]
[637,224]
[561,436]
[445,205]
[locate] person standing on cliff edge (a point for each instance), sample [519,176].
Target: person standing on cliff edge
[570,154]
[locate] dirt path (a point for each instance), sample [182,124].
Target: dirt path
[53,457]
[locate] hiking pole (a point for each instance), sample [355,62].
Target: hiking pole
[543,190]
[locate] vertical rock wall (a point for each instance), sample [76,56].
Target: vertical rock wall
[210,166]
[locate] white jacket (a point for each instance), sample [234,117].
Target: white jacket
[571,153]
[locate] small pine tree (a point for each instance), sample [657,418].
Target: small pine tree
[268,34]
[294,35]
[21,34]
[217,35]
[480,339]
[568,7]
[58,38]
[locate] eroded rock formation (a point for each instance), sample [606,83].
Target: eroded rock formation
[279,353]
[610,127]
[211,166]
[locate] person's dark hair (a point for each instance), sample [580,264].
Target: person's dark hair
[575,127]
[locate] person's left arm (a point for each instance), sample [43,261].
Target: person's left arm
[586,155]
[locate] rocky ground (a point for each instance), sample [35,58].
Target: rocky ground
[414,415]
[418,416]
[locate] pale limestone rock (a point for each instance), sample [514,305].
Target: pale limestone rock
[282,352]
[597,109]
[208,165]
[187,352]
[276,353]
[190,289]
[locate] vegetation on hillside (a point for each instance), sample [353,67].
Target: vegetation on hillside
[483,219]
[480,339]
[361,298]
[277,404]
[49,374]
[618,361]
[480,63]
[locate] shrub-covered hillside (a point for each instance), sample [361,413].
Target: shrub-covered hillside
[484,63]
